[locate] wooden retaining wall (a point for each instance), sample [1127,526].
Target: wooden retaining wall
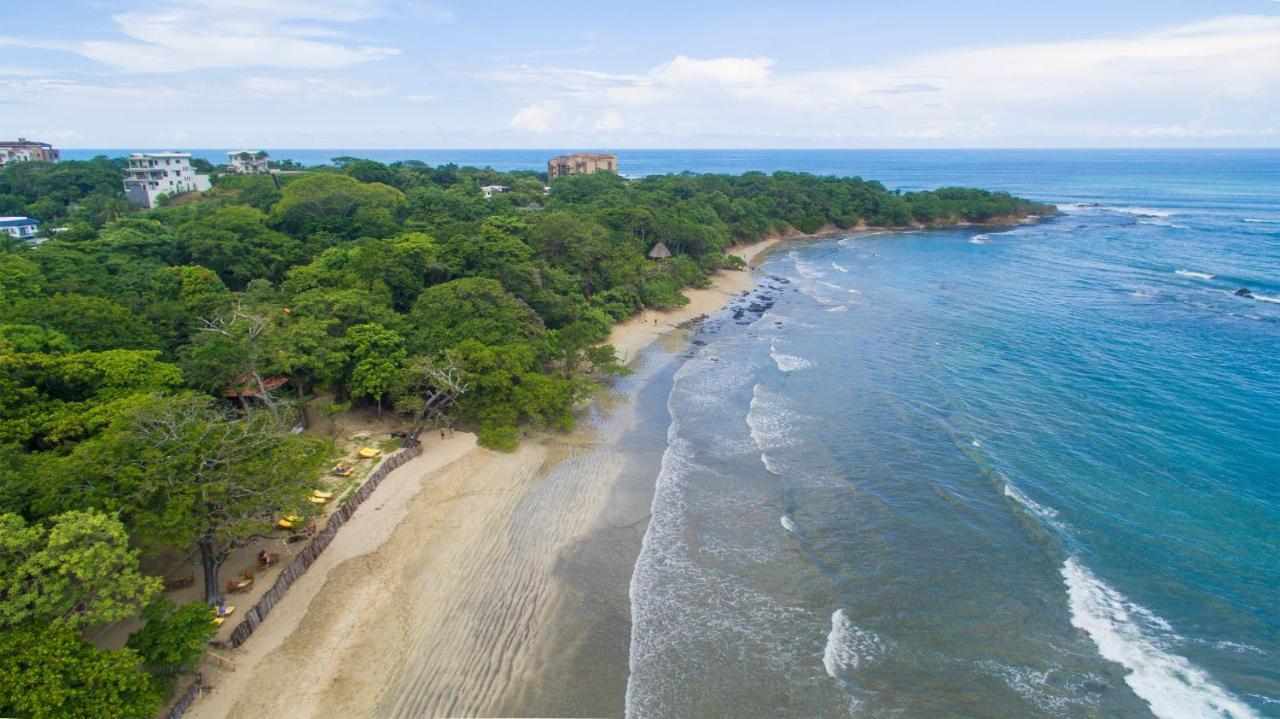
[304,559]
[189,696]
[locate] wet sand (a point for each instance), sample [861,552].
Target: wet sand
[476,583]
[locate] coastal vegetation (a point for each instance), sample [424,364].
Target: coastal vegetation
[154,364]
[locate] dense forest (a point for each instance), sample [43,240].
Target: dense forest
[152,363]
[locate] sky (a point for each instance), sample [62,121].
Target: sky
[660,73]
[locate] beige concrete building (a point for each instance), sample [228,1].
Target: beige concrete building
[24,150]
[583,163]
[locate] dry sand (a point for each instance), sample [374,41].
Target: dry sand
[446,593]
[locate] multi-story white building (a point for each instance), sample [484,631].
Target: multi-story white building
[150,175]
[491,190]
[247,162]
[22,228]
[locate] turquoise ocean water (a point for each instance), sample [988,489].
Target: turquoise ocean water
[1023,472]
[1030,472]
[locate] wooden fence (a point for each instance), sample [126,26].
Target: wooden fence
[184,702]
[304,559]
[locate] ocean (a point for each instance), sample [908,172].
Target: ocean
[1027,472]
[1012,472]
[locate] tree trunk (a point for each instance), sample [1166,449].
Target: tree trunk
[211,563]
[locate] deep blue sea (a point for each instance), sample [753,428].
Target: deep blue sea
[1021,472]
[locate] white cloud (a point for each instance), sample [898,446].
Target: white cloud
[722,71]
[539,118]
[181,36]
[609,121]
[1217,78]
[311,88]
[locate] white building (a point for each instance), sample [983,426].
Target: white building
[491,190]
[150,175]
[247,162]
[23,228]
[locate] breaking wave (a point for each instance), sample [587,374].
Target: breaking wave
[1134,637]
[848,646]
[1193,273]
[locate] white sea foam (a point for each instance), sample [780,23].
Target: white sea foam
[1193,273]
[1132,636]
[980,239]
[848,646]
[1252,221]
[788,524]
[1046,513]
[772,424]
[976,443]
[1238,648]
[838,308]
[1141,211]
[786,362]
[839,267]
[1030,684]
[807,270]
[1267,298]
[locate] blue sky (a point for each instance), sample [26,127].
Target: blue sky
[395,74]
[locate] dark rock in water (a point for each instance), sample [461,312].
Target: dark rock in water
[1095,686]
[699,342]
[1243,292]
[757,307]
[737,314]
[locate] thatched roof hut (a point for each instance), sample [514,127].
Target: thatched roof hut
[659,252]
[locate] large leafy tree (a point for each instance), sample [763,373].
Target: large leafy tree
[51,672]
[78,571]
[49,399]
[184,470]
[330,202]
[236,243]
[470,309]
[91,323]
[377,355]
[173,638]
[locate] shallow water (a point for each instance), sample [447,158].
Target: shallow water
[1029,472]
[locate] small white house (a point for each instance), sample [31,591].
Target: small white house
[247,162]
[491,190]
[150,175]
[22,228]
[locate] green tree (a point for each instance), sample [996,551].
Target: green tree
[377,355]
[173,638]
[236,243]
[78,571]
[471,308]
[331,202]
[91,323]
[184,470]
[51,672]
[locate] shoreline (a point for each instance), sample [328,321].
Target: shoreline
[447,592]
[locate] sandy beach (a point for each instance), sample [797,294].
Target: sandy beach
[473,582]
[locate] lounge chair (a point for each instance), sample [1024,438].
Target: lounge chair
[243,584]
[322,495]
[343,470]
[369,452]
[272,559]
